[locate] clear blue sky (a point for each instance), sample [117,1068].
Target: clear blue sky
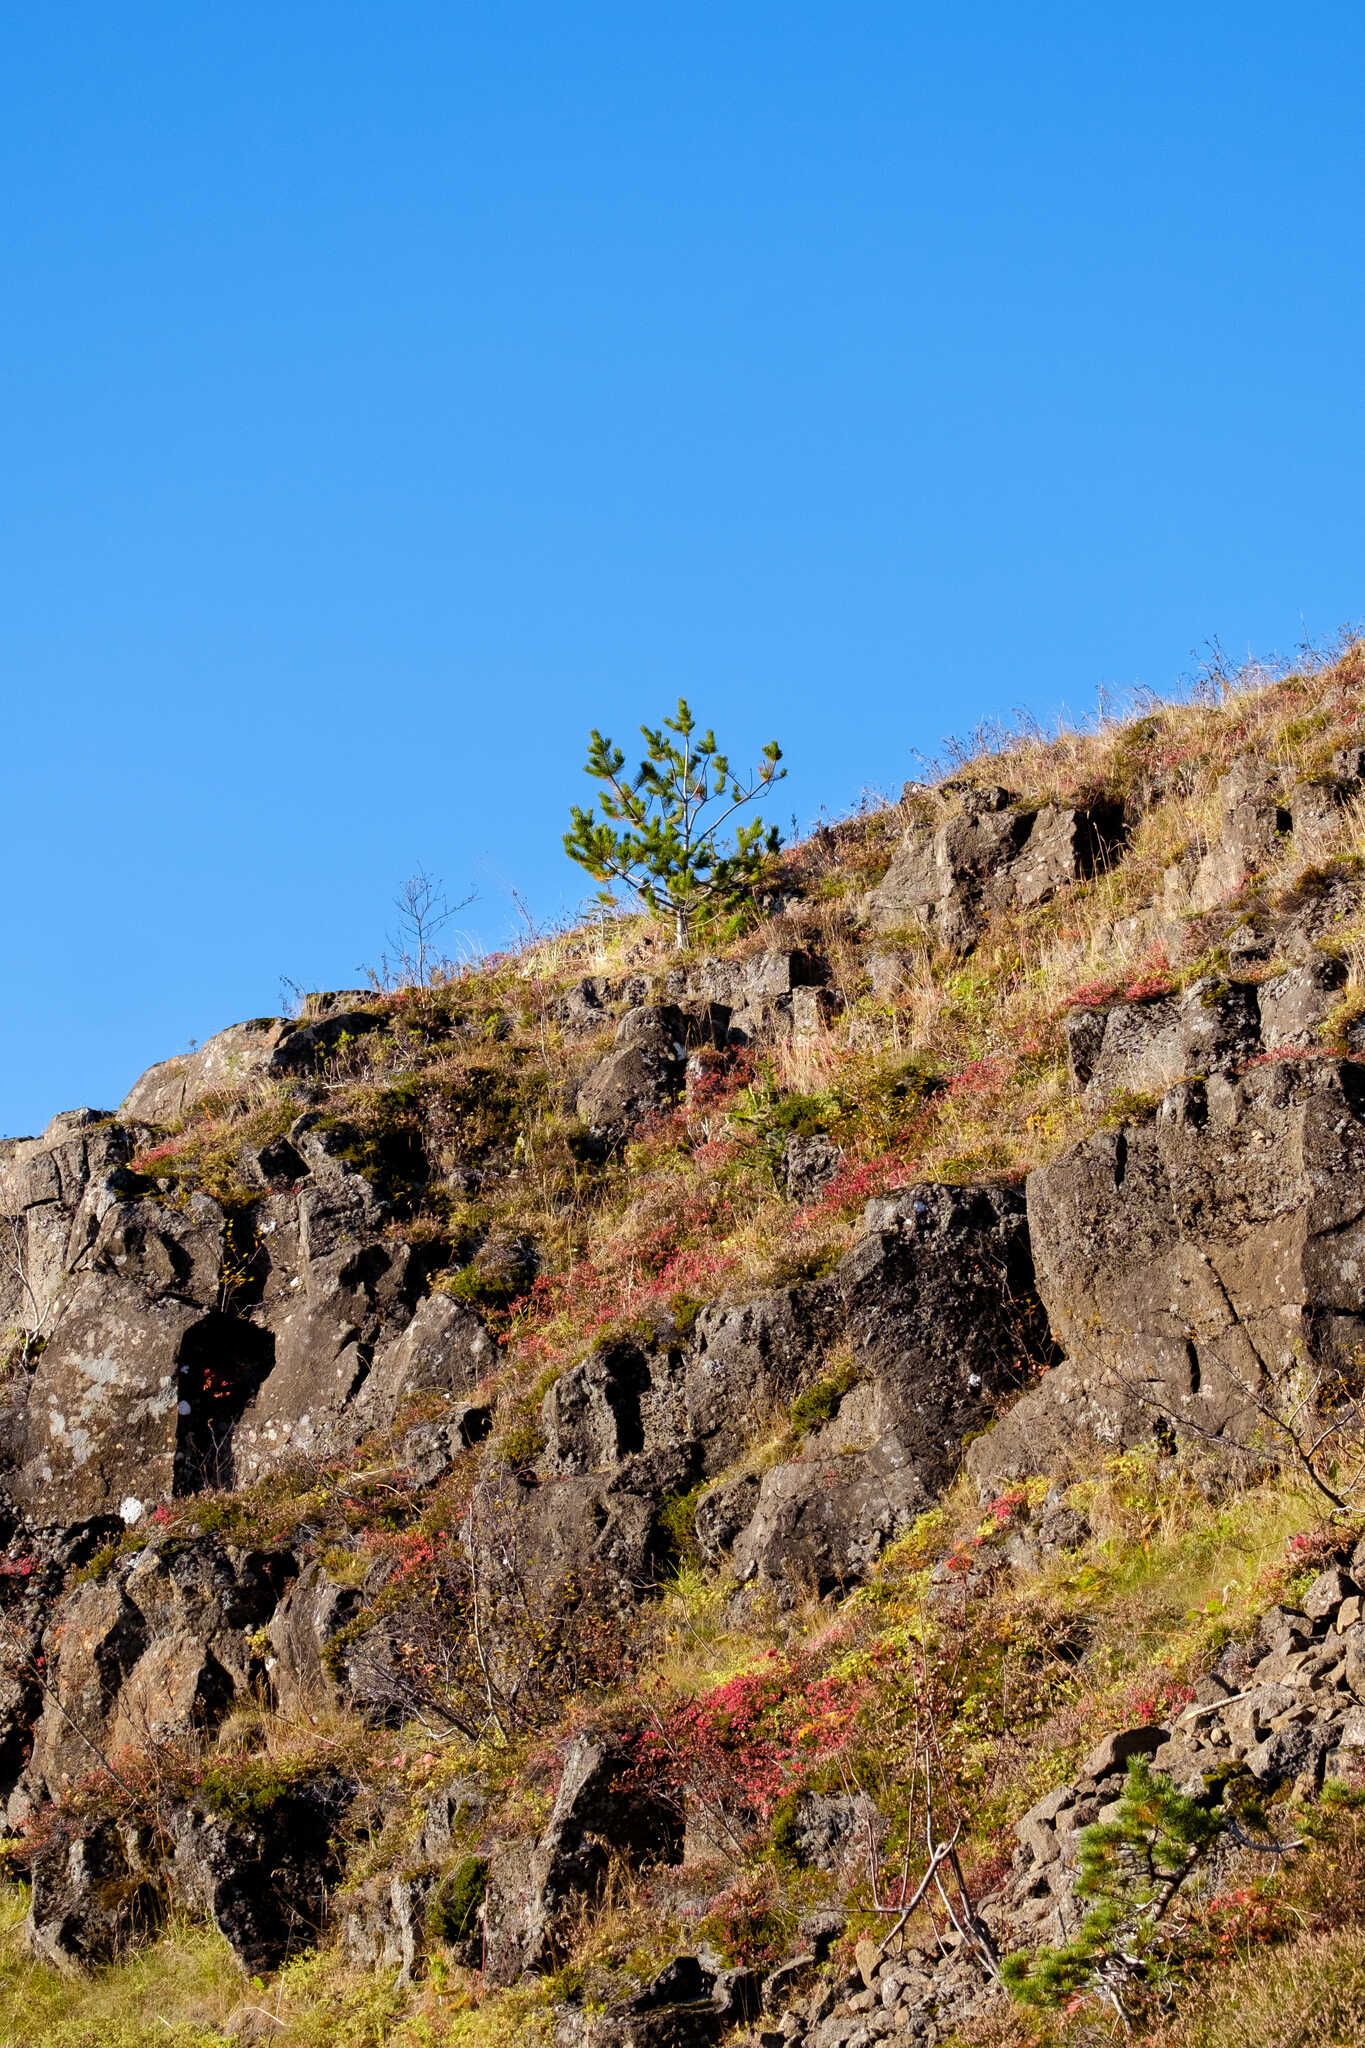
[390,393]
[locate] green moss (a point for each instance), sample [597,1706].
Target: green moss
[784,1839]
[684,1310]
[100,1565]
[521,1445]
[676,1526]
[820,1402]
[244,1789]
[453,1908]
[490,1287]
[1129,1106]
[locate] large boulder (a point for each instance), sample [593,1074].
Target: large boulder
[644,1072]
[157,1651]
[263,1869]
[111,1403]
[1195,1267]
[820,1522]
[95,1895]
[990,854]
[274,1047]
[167,1090]
[1145,1047]
[54,1193]
[935,1305]
[937,881]
[605,1810]
[260,1867]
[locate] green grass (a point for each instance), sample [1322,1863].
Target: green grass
[177,1993]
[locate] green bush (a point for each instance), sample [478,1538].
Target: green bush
[1131,1868]
[785,1840]
[522,1444]
[486,1286]
[1129,1106]
[676,1526]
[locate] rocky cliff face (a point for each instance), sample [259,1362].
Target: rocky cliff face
[400,1370]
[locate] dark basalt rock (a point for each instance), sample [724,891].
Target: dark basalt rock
[264,1879]
[989,855]
[645,1071]
[603,1809]
[1180,1261]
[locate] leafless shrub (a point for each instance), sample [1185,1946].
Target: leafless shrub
[415,958]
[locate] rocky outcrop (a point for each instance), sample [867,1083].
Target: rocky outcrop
[603,1808]
[645,1071]
[934,1304]
[1192,1265]
[1211,1027]
[262,1877]
[54,1194]
[273,1048]
[991,853]
[1144,1047]
[183,1352]
[110,1408]
[156,1651]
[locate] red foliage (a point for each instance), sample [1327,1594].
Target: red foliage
[1006,1505]
[1153,978]
[1279,1054]
[980,1077]
[858,1184]
[745,1743]
[156,1155]
[648,1269]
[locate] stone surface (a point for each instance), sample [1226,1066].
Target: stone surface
[1254,817]
[1294,1005]
[1187,1263]
[264,1880]
[93,1896]
[1146,1047]
[155,1652]
[642,1075]
[809,1165]
[601,1809]
[990,854]
[272,1046]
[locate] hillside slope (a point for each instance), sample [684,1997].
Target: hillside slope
[634,1498]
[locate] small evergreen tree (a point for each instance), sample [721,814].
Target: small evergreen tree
[1131,1867]
[667,849]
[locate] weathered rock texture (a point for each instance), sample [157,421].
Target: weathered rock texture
[992,852]
[1196,1267]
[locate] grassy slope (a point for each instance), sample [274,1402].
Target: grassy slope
[1040,1663]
